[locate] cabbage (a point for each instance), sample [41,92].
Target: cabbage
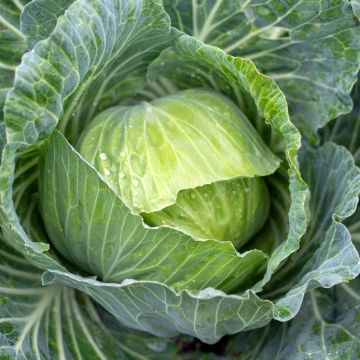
[176,173]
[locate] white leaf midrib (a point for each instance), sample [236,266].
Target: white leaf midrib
[36,316]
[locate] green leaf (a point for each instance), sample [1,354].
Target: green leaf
[327,251]
[12,47]
[158,309]
[335,201]
[343,185]
[353,225]
[94,230]
[39,18]
[327,327]
[56,322]
[310,48]
[335,261]
[93,45]
[345,130]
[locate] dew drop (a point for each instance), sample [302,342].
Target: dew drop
[135,183]
[121,175]
[136,193]
[103,156]
[106,172]
[122,154]
[192,195]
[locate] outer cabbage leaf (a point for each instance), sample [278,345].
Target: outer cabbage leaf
[39,18]
[12,46]
[327,326]
[329,205]
[94,43]
[345,130]
[56,322]
[311,48]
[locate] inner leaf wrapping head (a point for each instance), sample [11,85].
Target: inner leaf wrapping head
[172,160]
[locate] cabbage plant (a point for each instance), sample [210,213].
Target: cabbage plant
[175,172]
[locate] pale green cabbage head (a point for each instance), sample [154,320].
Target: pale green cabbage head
[165,160]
